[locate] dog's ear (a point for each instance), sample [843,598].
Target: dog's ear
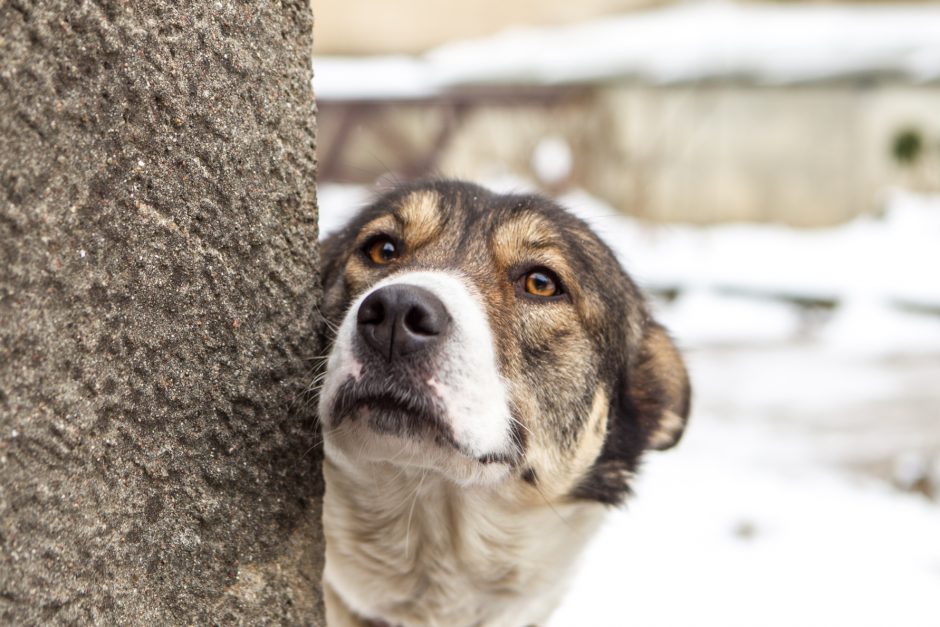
[658,389]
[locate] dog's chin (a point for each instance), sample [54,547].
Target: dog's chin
[380,431]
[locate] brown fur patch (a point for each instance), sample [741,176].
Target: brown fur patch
[559,470]
[420,215]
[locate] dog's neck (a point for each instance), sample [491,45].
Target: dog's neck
[410,547]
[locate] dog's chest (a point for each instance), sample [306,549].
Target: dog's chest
[430,553]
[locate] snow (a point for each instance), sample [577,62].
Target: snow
[790,499]
[338,203]
[702,317]
[679,43]
[892,258]
[867,324]
[552,160]
[386,78]
[718,536]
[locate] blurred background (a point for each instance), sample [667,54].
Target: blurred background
[770,173]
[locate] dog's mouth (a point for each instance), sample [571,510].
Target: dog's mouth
[403,412]
[393,410]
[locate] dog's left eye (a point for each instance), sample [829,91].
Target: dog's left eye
[381,250]
[543,283]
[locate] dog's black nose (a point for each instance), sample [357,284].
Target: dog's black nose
[397,320]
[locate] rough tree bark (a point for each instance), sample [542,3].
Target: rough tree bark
[158,292]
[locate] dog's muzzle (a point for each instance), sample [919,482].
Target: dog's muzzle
[414,359]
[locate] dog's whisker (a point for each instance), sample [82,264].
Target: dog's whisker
[520,423]
[362,447]
[312,447]
[395,458]
[412,511]
[317,358]
[550,506]
[315,386]
[398,475]
[336,431]
[327,324]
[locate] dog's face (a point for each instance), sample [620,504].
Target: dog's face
[492,338]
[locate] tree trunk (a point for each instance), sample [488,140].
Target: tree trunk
[158,299]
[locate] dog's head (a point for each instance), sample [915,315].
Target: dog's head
[492,338]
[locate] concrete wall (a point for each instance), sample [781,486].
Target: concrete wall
[807,155]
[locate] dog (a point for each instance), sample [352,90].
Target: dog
[493,381]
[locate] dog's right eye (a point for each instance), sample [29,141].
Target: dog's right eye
[381,250]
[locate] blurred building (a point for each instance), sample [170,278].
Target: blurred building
[696,113]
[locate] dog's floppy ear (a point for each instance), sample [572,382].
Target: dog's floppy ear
[658,389]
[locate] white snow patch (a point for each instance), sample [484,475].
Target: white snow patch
[552,160]
[338,204]
[892,258]
[699,317]
[385,78]
[870,325]
[684,42]
[717,536]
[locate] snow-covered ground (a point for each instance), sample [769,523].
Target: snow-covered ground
[771,44]
[734,529]
[892,258]
[784,503]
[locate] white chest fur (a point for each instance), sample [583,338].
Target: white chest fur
[409,547]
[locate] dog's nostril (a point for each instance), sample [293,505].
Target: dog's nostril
[371,311]
[420,320]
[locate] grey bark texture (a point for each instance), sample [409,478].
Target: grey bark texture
[158,299]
